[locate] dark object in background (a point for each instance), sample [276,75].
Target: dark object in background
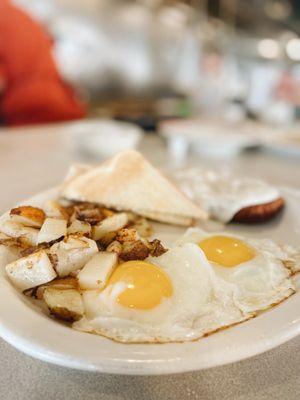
[147,123]
[146,113]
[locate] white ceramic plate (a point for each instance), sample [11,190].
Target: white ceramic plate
[32,332]
[284,148]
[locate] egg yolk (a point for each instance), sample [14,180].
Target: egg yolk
[146,284]
[226,251]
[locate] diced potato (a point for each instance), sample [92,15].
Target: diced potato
[8,254]
[28,216]
[17,230]
[107,239]
[55,210]
[107,212]
[16,243]
[143,227]
[156,248]
[52,229]
[31,271]
[65,304]
[3,236]
[33,249]
[11,248]
[137,250]
[96,272]
[87,212]
[72,254]
[110,224]
[80,227]
[131,216]
[115,247]
[58,283]
[127,235]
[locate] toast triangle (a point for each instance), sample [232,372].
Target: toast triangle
[128,182]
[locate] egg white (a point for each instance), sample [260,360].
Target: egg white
[260,282]
[221,194]
[201,303]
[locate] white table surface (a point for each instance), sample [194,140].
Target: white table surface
[32,160]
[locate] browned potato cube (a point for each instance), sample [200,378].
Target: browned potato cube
[64,304]
[28,216]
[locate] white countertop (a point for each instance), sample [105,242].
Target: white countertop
[31,161]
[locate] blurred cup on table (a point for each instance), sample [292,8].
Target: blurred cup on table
[99,139]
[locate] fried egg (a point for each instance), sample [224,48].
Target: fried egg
[174,297]
[255,267]
[222,195]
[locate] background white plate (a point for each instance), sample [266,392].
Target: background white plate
[285,142]
[210,137]
[32,332]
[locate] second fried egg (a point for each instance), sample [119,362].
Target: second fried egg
[255,267]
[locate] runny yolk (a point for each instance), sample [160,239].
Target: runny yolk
[226,251]
[145,284]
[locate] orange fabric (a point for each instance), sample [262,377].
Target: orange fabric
[33,89]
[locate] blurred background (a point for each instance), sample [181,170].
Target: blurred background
[195,83]
[218,73]
[170,58]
